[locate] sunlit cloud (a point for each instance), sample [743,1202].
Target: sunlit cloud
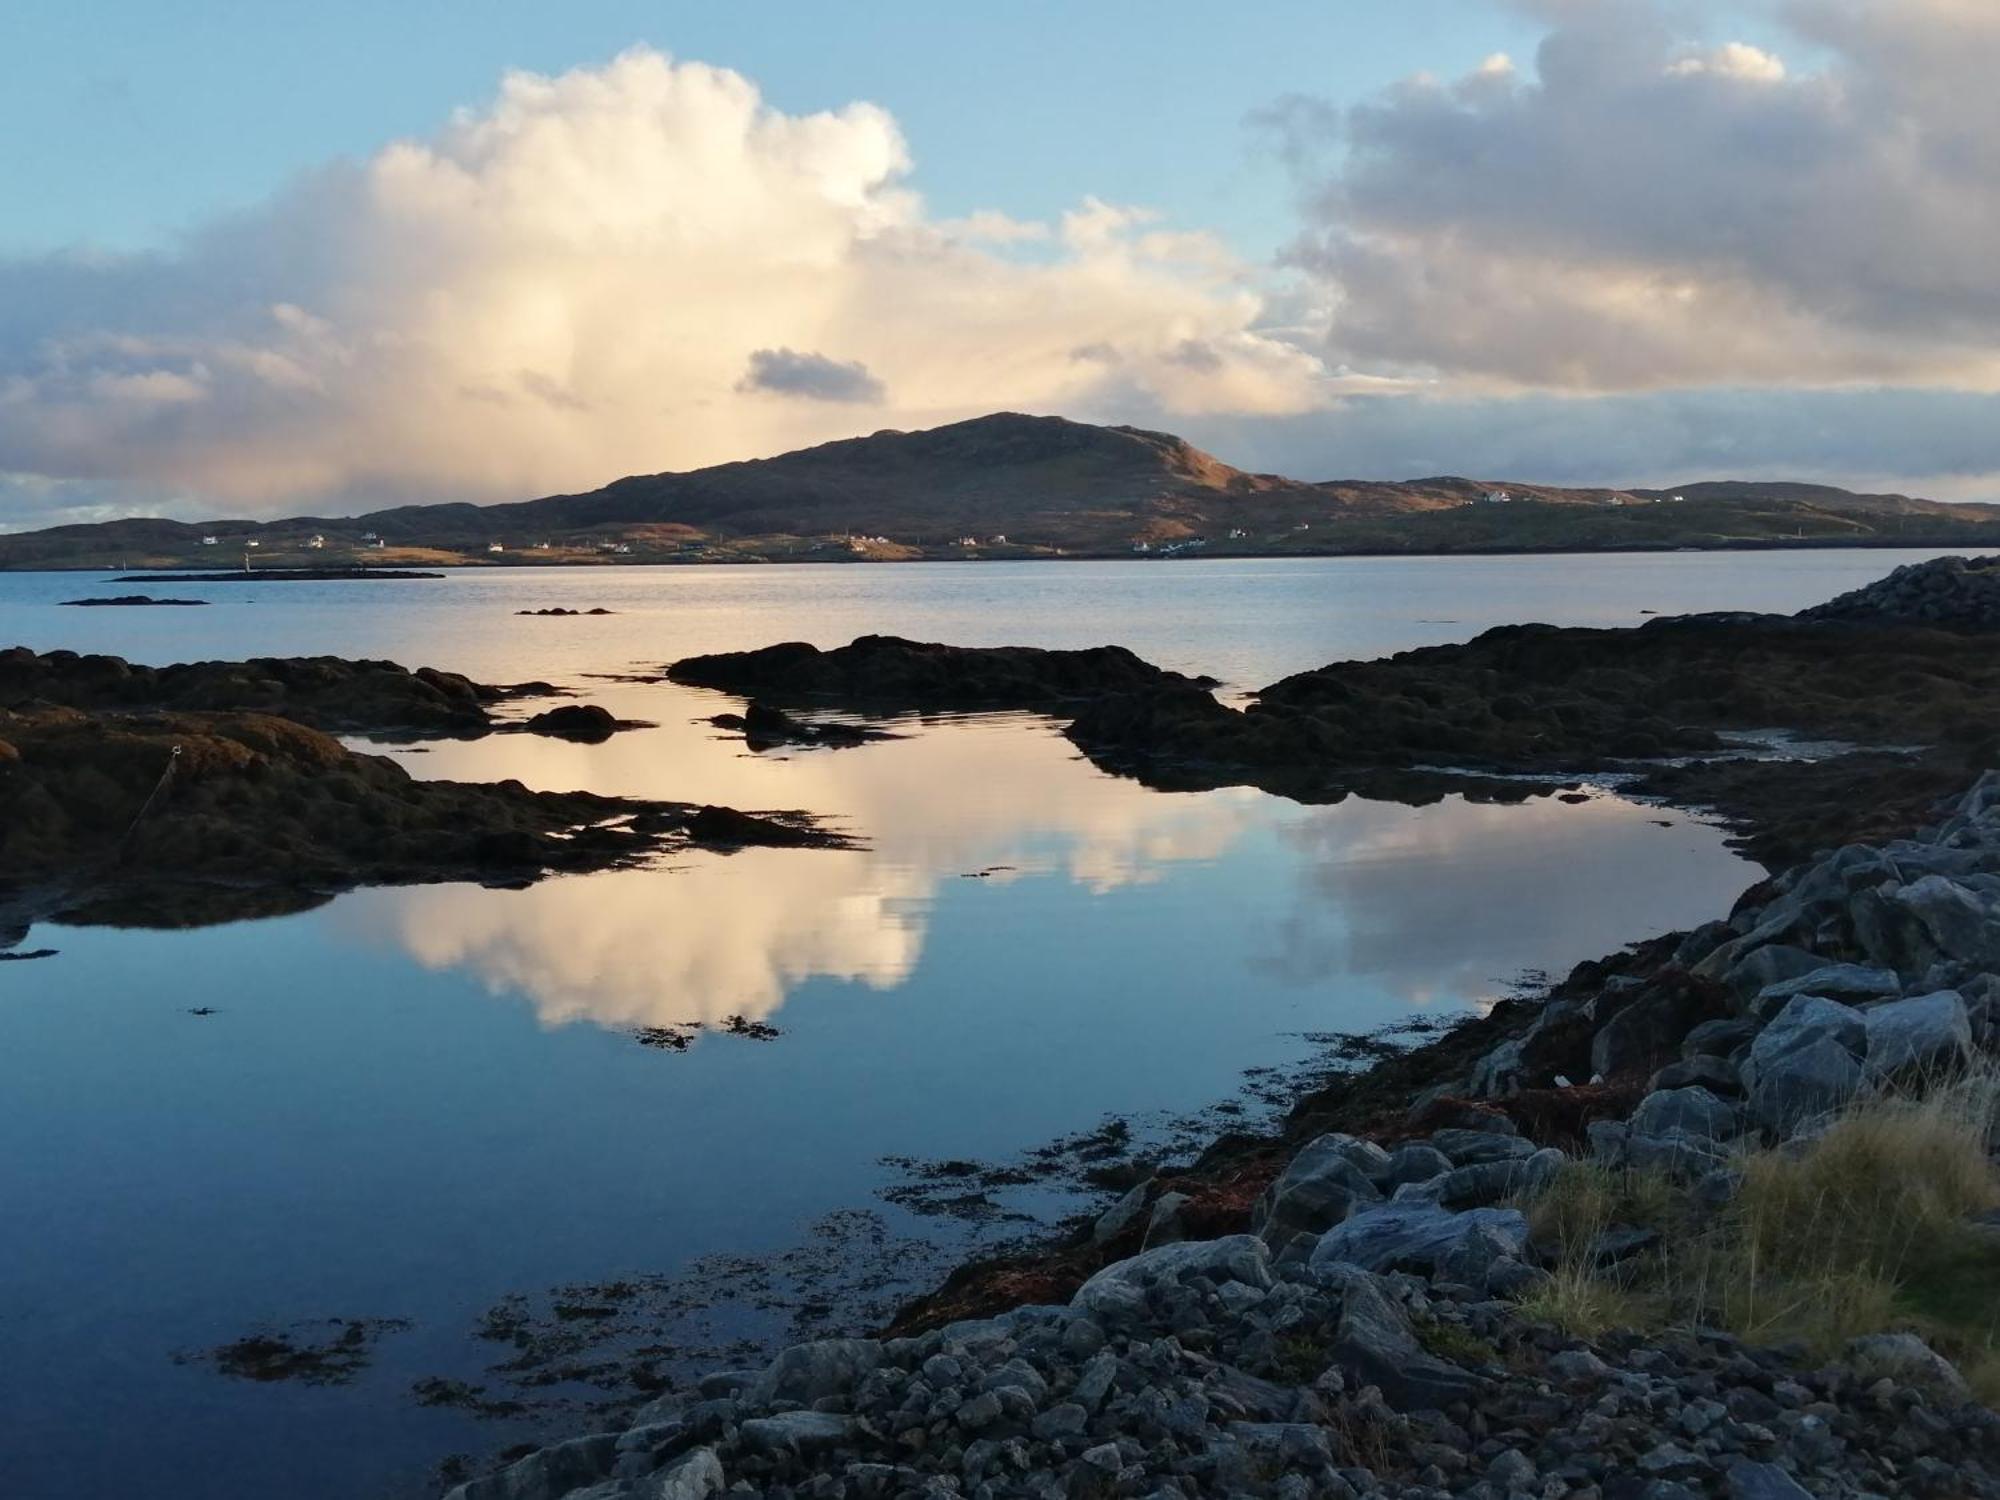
[622,269]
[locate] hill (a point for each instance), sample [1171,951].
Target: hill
[1009,485]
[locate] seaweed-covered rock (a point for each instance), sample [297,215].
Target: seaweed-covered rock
[1952,593]
[886,670]
[324,692]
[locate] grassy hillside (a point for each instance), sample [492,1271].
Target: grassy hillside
[1017,486]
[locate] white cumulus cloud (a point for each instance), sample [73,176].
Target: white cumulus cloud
[622,269]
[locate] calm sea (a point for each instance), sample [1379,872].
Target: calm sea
[416,1104]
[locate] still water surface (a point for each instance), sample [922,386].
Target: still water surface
[411,1103]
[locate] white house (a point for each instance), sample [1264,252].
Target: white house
[317,543]
[1497,497]
[209,541]
[495,547]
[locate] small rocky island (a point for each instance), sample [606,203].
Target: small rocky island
[1717,1215]
[200,792]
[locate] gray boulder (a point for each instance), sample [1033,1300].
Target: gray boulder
[1750,971]
[1672,1153]
[1126,1213]
[1415,1162]
[1849,982]
[1814,1078]
[1468,1146]
[1719,1038]
[806,1372]
[1121,1289]
[547,1473]
[1716,1074]
[1959,922]
[1930,1031]
[1804,1019]
[1908,1360]
[693,1476]
[1692,1111]
[1415,1236]
[1166,1226]
[796,1432]
[1374,1340]
[1318,1188]
[1490,1181]
[1749,1480]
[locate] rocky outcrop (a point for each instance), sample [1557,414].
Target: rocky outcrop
[885,671]
[133,601]
[322,692]
[1952,593]
[186,817]
[1543,700]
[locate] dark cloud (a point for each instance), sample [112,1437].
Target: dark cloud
[1640,211]
[788,372]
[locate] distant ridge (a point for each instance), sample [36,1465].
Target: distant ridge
[1011,485]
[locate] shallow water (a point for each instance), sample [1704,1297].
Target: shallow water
[411,1103]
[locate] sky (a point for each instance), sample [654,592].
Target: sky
[260,262]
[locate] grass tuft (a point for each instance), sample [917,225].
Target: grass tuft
[1864,1229]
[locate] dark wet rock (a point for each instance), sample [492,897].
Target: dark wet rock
[725,827]
[584,722]
[764,727]
[560,613]
[883,671]
[134,601]
[322,692]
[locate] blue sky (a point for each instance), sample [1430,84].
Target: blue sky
[263,259]
[147,118]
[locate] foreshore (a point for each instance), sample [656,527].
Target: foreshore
[1697,1221]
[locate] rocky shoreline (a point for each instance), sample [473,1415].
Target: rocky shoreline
[1399,1294]
[1368,1315]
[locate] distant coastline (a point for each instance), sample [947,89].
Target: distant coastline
[173,573]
